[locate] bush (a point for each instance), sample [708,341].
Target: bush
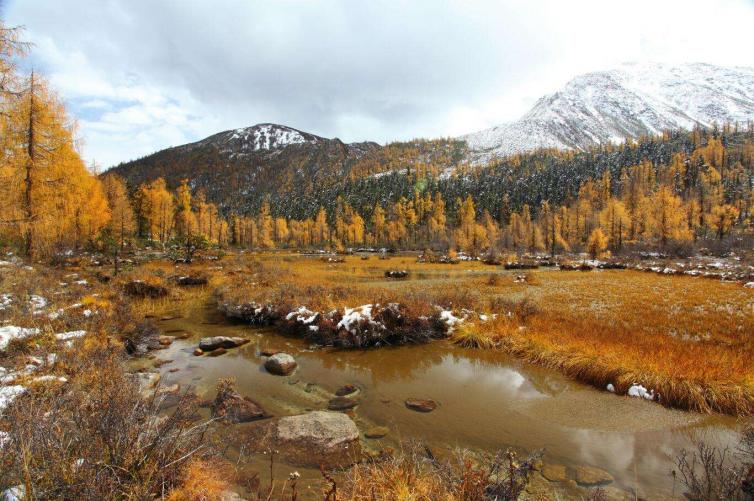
[95,437]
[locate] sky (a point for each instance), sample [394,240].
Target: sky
[143,75]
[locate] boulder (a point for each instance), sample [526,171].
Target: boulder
[212,343]
[554,472]
[230,406]
[139,288]
[281,364]
[330,439]
[198,352]
[191,280]
[341,404]
[421,405]
[268,352]
[591,476]
[396,274]
[217,352]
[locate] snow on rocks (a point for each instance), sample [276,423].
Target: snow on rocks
[11,332]
[8,394]
[5,301]
[610,388]
[749,285]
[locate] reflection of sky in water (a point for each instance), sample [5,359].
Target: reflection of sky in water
[498,380]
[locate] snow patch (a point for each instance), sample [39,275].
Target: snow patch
[10,332]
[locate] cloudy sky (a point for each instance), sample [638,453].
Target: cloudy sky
[142,75]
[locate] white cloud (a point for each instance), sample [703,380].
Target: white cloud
[142,75]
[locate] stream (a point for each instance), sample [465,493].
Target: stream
[487,401]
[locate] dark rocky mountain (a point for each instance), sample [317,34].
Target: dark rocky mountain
[236,166]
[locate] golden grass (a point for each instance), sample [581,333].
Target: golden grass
[686,338]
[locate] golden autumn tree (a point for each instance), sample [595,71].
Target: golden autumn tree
[122,219]
[265,227]
[49,198]
[157,207]
[666,219]
[596,244]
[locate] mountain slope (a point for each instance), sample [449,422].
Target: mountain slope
[627,102]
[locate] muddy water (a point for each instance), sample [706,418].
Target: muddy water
[487,400]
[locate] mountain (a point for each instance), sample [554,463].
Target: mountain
[237,169]
[627,102]
[265,159]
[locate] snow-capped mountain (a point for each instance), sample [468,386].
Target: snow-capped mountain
[260,137]
[632,100]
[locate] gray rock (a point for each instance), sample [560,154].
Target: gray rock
[212,343]
[317,438]
[281,364]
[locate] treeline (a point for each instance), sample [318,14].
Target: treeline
[661,192]
[706,195]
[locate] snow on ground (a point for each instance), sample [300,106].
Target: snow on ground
[5,301]
[11,332]
[67,336]
[37,302]
[749,285]
[8,394]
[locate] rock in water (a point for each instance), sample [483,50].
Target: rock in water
[590,476]
[330,439]
[230,406]
[421,405]
[377,432]
[554,472]
[280,364]
[212,343]
[346,390]
[341,404]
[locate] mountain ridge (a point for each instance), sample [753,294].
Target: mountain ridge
[632,100]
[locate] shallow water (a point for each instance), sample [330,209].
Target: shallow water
[487,400]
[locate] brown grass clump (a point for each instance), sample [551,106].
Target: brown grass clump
[416,474]
[201,479]
[469,335]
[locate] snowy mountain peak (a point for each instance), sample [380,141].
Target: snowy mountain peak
[626,102]
[262,137]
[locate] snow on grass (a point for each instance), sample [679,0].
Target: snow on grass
[354,317]
[5,301]
[749,285]
[8,394]
[67,336]
[451,320]
[37,302]
[302,315]
[11,332]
